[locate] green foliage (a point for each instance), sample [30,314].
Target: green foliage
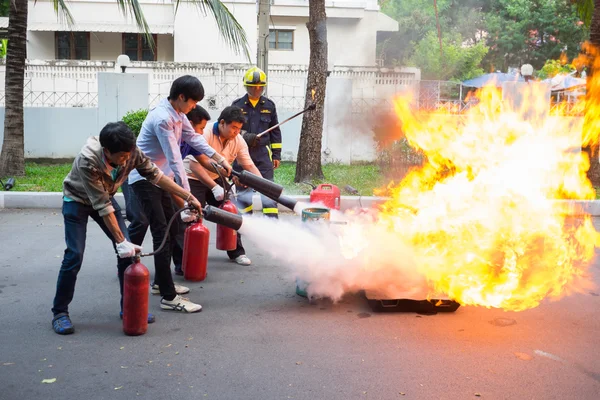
[4,8]
[42,178]
[585,9]
[515,32]
[135,119]
[532,31]
[554,67]
[455,62]
[3,47]
[417,18]
[365,178]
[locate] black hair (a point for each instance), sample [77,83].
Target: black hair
[117,137]
[189,86]
[232,114]
[198,114]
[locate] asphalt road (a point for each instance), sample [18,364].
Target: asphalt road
[255,339]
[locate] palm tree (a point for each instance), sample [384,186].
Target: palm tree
[12,160]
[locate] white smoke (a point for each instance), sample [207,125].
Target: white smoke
[336,258]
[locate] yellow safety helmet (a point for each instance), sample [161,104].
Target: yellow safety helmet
[255,77]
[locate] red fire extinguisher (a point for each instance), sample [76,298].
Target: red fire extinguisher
[136,285]
[195,252]
[227,237]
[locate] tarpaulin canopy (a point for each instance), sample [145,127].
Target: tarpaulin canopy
[494,78]
[564,82]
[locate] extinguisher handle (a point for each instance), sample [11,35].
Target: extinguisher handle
[225,182]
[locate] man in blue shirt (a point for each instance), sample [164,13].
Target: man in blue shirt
[138,227]
[160,138]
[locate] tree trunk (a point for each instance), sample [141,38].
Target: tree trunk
[308,166]
[595,25]
[591,121]
[12,160]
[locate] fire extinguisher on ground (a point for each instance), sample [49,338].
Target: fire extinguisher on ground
[226,237]
[136,285]
[195,252]
[136,288]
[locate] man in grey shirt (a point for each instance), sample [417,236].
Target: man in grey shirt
[160,138]
[98,171]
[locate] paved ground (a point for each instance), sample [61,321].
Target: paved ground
[255,339]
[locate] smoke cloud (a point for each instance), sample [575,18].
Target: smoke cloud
[338,258]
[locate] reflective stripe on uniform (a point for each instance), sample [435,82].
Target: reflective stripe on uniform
[270,153]
[247,209]
[270,211]
[275,145]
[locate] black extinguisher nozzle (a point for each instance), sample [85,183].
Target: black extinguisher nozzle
[218,216]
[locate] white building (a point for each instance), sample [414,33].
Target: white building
[102,32]
[64,64]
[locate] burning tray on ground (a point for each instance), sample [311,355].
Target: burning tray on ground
[394,301]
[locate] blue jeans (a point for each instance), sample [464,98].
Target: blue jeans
[76,217]
[133,211]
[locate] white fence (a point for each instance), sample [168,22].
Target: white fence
[69,90]
[74,83]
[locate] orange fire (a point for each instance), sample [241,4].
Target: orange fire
[481,217]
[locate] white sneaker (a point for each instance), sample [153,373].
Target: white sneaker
[243,260]
[178,289]
[180,304]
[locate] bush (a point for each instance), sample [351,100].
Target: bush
[135,119]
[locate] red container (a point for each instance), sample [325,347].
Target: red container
[136,286]
[227,237]
[195,252]
[326,194]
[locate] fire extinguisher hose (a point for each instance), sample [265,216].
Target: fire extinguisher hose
[167,234]
[225,182]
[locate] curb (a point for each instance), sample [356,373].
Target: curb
[53,200]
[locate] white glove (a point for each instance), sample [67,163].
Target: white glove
[226,166]
[189,216]
[218,192]
[127,249]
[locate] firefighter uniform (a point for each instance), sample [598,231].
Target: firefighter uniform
[259,118]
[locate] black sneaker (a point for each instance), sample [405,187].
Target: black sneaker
[61,323]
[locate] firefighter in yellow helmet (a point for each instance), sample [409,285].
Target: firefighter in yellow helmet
[261,114]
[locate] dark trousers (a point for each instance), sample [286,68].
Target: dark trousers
[138,224]
[204,196]
[157,205]
[76,217]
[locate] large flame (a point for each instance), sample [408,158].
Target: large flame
[481,217]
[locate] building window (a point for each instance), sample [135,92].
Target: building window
[72,45]
[137,47]
[280,39]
